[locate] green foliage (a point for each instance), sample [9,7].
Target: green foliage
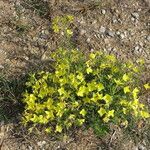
[63,27]
[62,24]
[94,89]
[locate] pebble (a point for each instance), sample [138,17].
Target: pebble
[82,32]
[141,44]
[148,38]
[30,148]
[94,22]
[110,33]
[41,143]
[135,15]
[88,40]
[118,32]
[46,32]
[132,18]
[103,11]
[44,36]
[1,66]
[62,33]
[122,36]
[102,29]
[141,147]
[136,48]
[114,20]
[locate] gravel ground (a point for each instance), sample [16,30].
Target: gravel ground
[26,40]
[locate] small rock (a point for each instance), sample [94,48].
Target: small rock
[88,40]
[136,48]
[135,15]
[114,20]
[46,32]
[148,38]
[1,67]
[30,148]
[141,44]
[122,36]
[82,32]
[41,143]
[45,56]
[125,33]
[135,148]
[110,33]
[94,22]
[7,60]
[102,29]
[118,32]
[141,147]
[119,20]
[140,50]
[62,33]
[132,18]
[103,11]
[44,36]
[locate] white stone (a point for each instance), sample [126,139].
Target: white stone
[88,40]
[1,67]
[136,48]
[102,29]
[111,33]
[122,36]
[118,32]
[82,32]
[148,38]
[103,11]
[135,15]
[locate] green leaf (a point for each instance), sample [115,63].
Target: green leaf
[82,91]
[32,98]
[107,98]
[86,100]
[126,89]
[111,113]
[101,111]
[61,91]
[135,92]
[70,17]
[118,82]
[145,114]
[80,77]
[49,115]
[92,55]
[75,104]
[56,28]
[125,77]
[48,130]
[69,32]
[100,86]
[71,117]
[106,119]
[83,112]
[58,128]
[80,121]
[61,105]
[91,86]
[111,58]
[89,70]
[147,86]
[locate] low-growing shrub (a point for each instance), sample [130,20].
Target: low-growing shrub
[93,89]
